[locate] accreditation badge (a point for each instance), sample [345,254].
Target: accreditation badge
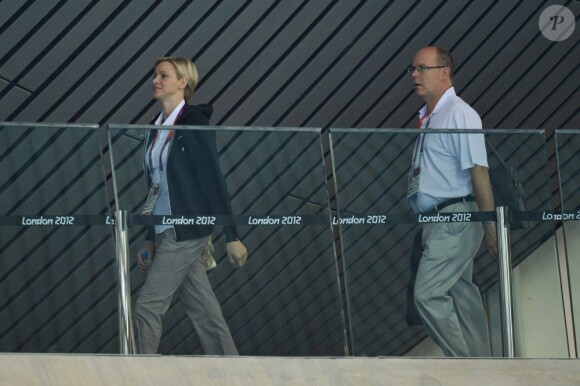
[413,182]
[151,200]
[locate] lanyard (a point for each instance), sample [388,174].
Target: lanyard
[167,142]
[420,140]
[420,125]
[152,147]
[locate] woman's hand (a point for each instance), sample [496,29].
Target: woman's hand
[149,247]
[237,253]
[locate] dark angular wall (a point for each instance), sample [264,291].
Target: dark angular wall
[313,63]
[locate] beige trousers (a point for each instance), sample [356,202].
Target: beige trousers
[446,298]
[178,265]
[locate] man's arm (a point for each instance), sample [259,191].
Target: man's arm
[484,196]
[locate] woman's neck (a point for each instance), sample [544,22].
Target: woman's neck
[169,106]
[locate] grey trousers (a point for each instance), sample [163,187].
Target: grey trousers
[447,300]
[178,264]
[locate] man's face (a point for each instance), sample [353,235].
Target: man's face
[430,83]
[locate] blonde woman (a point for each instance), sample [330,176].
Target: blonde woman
[184,177]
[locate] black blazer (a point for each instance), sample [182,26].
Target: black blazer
[195,182]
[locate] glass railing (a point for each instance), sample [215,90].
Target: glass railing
[568,151]
[326,223]
[58,290]
[285,301]
[534,252]
[371,169]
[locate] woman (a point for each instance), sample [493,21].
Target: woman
[184,177]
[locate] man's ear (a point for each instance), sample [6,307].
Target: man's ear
[446,73]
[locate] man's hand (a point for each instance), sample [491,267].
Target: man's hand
[237,253]
[490,237]
[149,247]
[484,196]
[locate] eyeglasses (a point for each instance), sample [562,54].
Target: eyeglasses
[421,69]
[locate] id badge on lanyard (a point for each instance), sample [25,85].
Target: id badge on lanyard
[151,200]
[415,172]
[155,187]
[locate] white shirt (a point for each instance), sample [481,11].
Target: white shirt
[447,158]
[162,205]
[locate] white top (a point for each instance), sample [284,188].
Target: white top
[162,205]
[447,157]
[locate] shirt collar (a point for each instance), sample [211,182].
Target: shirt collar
[449,93]
[172,117]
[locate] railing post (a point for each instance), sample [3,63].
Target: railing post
[126,336]
[505,280]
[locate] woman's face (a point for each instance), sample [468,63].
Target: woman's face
[165,83]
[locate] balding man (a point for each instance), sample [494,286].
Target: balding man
[449,173]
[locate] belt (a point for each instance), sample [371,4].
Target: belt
[439,207]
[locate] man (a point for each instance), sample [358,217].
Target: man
[449,174]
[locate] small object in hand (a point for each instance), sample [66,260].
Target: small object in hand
[207,256]
[145,256]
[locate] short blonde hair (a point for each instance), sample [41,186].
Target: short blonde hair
[184,68]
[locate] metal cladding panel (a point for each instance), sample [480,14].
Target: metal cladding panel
[262,63]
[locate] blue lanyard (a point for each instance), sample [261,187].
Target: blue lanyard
[167,141]
[152,146]
[420,139]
